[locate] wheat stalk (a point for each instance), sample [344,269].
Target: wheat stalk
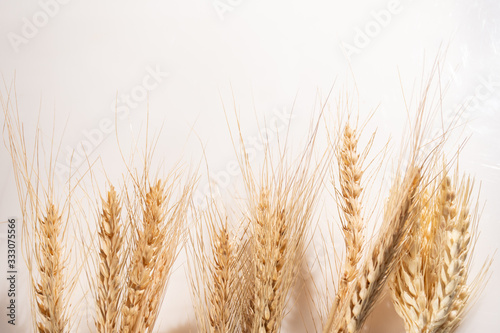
[111,261]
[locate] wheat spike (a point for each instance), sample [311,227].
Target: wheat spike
[408,285]
[223,277]
[278,225]
[449,287]
[44,225]
[149,241]
[281,204]
[49,287]
[172,229]
[350,184]
[271,238]
[398,223]
[350,173]
[269,258]
[441,261]
[217,266]
[111,261]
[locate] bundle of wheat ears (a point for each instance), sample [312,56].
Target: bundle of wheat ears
[245,263]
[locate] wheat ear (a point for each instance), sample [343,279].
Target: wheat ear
[281,202]
[409,281]
[441,262]
[216,285]
[172,229]
[111,261]
[43,227]
[49,287]
[350,173]
[149,241]
[271,238]
[224,282]
[398,222]
[449,296]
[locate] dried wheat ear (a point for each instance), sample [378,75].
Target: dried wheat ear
[111,262]
[50,261]
[243,283]
[363,277]
[279,217]
[349,200]
[430,288]
[215,272]
[129,293]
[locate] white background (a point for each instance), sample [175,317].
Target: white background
[77,61]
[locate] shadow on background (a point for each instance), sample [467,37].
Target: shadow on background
[187,327]
[384,318]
